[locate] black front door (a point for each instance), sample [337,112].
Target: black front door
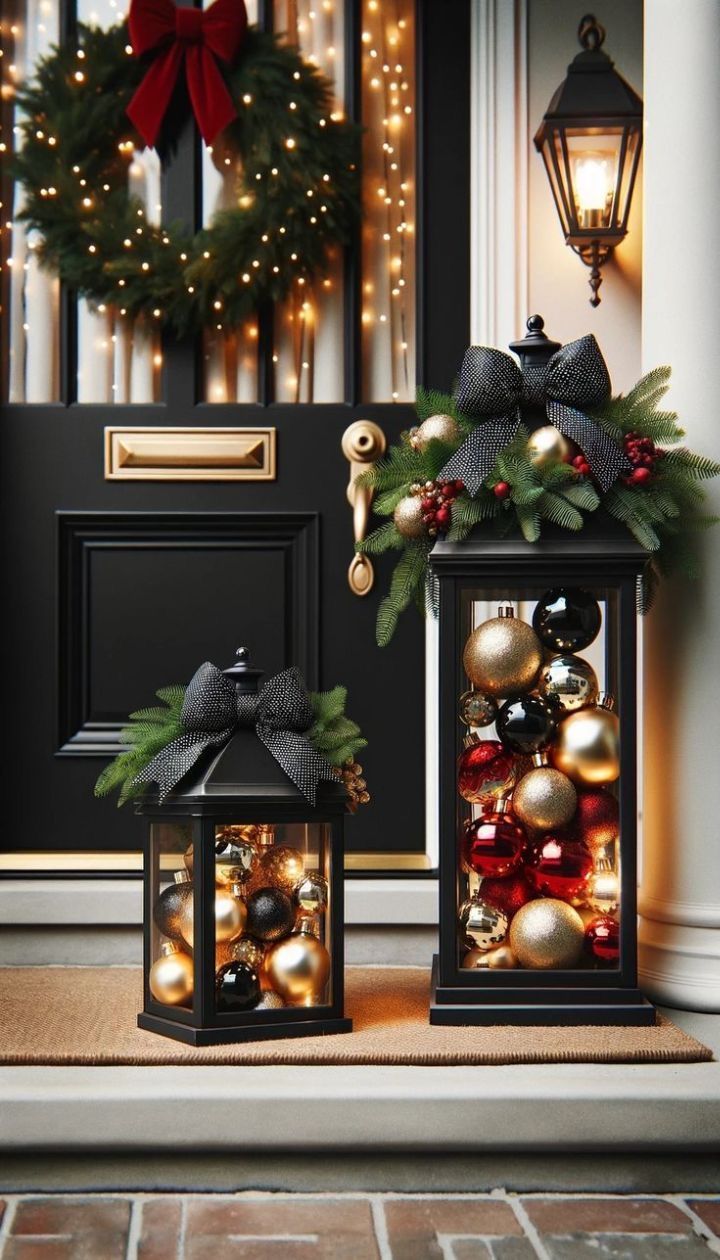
[125,566]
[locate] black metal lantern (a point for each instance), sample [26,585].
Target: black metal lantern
[537,769]
[590,140]
[243,899]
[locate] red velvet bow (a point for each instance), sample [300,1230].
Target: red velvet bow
[198,37]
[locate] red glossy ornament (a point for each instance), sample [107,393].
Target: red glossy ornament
[597,820]
[602,939]
[559,867]
[493,844]
[486,771]
[501,490]
[507,894]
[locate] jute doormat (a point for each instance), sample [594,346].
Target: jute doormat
[86,1015]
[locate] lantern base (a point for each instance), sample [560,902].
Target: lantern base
[255,1032]
[453,1005]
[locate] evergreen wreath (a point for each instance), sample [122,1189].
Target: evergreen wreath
[150,730]
[298,194]
[661,507]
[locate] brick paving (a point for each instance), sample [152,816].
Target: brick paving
[256,1226]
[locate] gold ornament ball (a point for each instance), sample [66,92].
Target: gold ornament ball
[568,682]
[544,799]
[503,656]
[498,959]
[246,950]
[298,967]
[230,916]
[485,925]
[547,934]
[171,976]
[282,867]
[408,517]
[439,428]
[311,893]
[587,747]
[603,894]
[547,445]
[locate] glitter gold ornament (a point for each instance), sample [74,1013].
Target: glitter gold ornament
[408,517]
[547,445]
[547,934]
[568,683]
[587,748]
[298,968]
[492,959]
[485,925]
[281,867]
[171,975]
[311,893]
[503,656]
[246,950]
[475,709]
[270,1001]
[230,915]
[545,798]
[438,428]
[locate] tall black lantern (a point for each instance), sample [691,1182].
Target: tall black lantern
[243,900]
[590,140]
[537,715]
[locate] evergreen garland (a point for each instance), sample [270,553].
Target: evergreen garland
[297,194]
[663,514]
[150,730]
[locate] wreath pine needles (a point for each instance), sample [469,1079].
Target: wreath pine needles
[296,195]
[663,514]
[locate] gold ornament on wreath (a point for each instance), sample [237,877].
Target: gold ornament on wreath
[297,184]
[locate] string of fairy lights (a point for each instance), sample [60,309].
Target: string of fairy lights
[308,326]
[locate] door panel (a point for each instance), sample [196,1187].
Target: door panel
[118,587]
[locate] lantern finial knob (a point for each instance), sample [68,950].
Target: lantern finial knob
[591,33]
[243,673]
[535,324]
[242,654]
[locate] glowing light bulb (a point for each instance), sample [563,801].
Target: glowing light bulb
[594,180]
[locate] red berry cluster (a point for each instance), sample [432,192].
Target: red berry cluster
[437,498]
[643,455]
[580,464]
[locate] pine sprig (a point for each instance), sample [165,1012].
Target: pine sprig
[150,730]
[333,734]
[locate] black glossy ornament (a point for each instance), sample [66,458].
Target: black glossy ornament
[567,619]
[237,987]
[168,909]
[270,914]
[525,724]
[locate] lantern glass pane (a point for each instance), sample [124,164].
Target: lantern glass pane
[594,160]
[554,839]
[552,153]
[275,952]
[171,924]
[626,176]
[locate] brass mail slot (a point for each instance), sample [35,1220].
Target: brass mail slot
[164,454]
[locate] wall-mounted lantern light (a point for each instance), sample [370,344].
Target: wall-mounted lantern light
[590,139]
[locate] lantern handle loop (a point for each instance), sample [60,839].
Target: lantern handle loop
[591,33]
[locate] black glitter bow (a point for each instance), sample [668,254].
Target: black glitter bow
[492,387]
[281,713]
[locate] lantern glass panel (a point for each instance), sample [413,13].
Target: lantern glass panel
[503,859]
[276,952]
[171,898]
[594,158]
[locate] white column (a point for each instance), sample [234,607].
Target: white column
[680,891]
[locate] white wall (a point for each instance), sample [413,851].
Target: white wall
[557,279]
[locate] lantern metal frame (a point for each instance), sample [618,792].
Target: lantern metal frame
[241,784]
[594,100]
[601,557]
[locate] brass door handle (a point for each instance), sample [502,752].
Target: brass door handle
[363,443]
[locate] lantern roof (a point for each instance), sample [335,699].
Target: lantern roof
[245,770]
[603,543]
[593,91]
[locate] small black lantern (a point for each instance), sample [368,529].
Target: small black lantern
[590,140]
[243,898]
[537,708]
